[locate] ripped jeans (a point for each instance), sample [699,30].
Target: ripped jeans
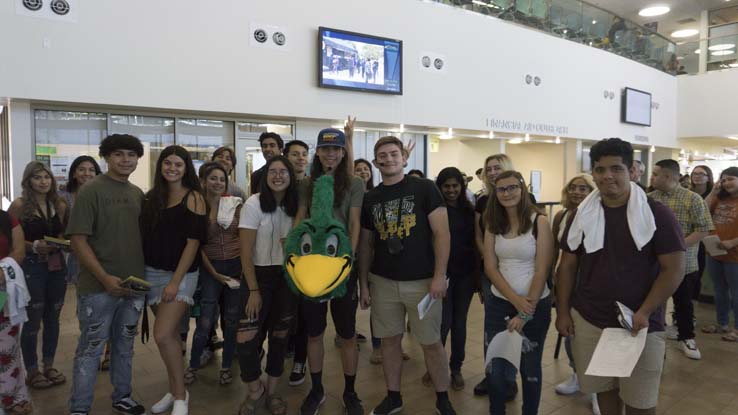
[103,317]
[278,308]
[530,362]
[212,290]
[47,290]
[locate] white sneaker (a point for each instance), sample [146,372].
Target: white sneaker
[569,387]
[595,405]
[672,332]
[180,408]
[166,403]
[689,348]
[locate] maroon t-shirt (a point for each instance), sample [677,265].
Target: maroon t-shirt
[618,271]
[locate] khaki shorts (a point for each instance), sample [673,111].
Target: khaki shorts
[391,300]
[641,389]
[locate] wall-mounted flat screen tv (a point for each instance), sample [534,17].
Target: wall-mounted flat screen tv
[355,61]
[636,107]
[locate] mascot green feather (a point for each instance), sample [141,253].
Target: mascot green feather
[319,257]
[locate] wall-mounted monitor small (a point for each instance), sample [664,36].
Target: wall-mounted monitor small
[348,60]
[636,107]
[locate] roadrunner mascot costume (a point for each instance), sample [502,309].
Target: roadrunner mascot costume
[319,257]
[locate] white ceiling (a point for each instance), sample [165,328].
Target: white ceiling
[680,9]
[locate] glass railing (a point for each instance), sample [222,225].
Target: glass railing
[582,22]
[721,54]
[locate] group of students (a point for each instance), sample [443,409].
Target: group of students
[412,237]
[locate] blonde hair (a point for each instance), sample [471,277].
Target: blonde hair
[504,160]
[565,191]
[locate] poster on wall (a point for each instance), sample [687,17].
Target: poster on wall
[59,166]
[535,183]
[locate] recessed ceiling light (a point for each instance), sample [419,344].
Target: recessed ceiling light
[515,141]
[722,46]
[685,33]
[697,51]
[733,65]
[654,11]
[722,52]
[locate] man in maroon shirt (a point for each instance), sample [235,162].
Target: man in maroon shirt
[641,279]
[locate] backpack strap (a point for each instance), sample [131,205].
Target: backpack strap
[535,226]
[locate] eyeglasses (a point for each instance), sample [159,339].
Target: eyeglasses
[699,174]
[507,189]
[279,173]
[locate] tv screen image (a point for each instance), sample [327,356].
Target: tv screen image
[360,62]
[636,107]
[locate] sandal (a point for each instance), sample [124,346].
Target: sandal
[54,376]
[21,408]
[713,329]
[276,405]
[38,381]
[225,377]
[731,337]
[249,406]
[190,376]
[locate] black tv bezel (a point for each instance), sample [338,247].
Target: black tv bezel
[624,107]
[319,65]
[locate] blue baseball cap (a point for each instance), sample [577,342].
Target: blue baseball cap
[331,137]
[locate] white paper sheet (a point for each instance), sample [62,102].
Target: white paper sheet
[426,303]
[617,353]
[711,245]
[232,283]
[505,345]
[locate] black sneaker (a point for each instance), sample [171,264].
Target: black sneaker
[444,408]
[481,388]
[352,404]
[128,406]
[312,403]
[388,407]
[297,377]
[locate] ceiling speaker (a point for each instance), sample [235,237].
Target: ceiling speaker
[279,38]
[260,35]
[60,7]
[33,5]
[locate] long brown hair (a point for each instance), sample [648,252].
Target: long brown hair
[30,206]
[496,217]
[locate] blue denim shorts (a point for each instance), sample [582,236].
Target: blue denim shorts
[160,278]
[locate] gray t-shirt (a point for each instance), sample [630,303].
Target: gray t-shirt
[107,211]
[354,198]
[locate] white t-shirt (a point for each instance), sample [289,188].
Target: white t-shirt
[271,229]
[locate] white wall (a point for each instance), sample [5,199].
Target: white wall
[707,104]
[197,56]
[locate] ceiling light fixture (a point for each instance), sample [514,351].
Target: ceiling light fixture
[698,51]
[527,137]
[515,141]
[684,33]
[654,11]
[491,134]
[722,52]
[402,128]
[558,140]
[653,149]
[722,46]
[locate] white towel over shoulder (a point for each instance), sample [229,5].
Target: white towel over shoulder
[227,210]
[18,295]
[588,226]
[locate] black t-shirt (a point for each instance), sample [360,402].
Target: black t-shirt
[406,207]
[462,259]
[256,180]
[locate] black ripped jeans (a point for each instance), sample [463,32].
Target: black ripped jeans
[278,306]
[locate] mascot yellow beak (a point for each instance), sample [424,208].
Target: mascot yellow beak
[317,275]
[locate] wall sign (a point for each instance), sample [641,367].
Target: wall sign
[528,126]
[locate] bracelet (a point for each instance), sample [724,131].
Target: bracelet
[525,317]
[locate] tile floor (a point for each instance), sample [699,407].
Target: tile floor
[709,386]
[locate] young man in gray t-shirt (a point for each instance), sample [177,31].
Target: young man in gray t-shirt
[105,236]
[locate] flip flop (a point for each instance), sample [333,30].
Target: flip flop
[713,329]
[54,376]
[730,337]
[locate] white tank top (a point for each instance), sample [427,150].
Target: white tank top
[516,261]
